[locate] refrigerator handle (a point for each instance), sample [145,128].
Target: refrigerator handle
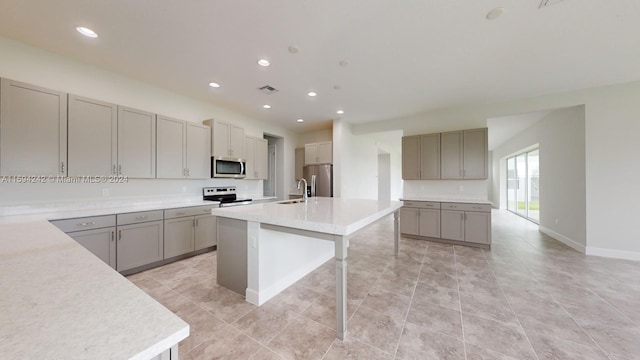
[313,185]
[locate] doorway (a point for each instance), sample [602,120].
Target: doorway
[274,184]
[523,184]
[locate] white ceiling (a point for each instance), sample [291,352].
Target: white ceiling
[405,57]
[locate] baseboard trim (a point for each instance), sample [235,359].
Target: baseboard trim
[611,253]
[563,239]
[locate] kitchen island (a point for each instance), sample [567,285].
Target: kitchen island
[264,248]
[59,301]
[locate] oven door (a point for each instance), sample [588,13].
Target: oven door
[225,167]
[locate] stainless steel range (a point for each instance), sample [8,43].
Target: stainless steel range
[226,195]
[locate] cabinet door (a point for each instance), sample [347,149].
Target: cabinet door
[310,154]
[451,155]
[33,130]
[171,143]
[205,234]
[452,225]
[250,147]
[139,244]
[178,236]
[299,156]
[236,141]
[409,221]
[220,141]
[101,243]
[475,152]
[136,143]
[93,137]
[325,152]
[429,223]
[429,156]
[262,159]
[411,157]
[198,156]
[477,227]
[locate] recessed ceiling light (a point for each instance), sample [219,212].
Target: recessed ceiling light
[340,112]
[264,62]
[311,93]
[266,106]
[214,84]
[495,13]
[87,32]
[300,120]
[293,49]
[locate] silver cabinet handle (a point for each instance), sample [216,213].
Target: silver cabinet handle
[119,169]
[113,236]
[180,213]
[62,167]
[119,235]
[141,217]
[113,170]
[188,174]
[87,223]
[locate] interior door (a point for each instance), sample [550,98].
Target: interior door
[521,190]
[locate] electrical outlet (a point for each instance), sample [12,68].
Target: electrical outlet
[105,192]
[184,189]
[461,188]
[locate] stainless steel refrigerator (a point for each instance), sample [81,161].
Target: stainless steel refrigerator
[319,179]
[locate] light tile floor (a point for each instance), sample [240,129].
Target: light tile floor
[529,297]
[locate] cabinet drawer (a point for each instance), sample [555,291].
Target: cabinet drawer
[188,211]
[422,204]
[138,217]
[85,223]
[467,207]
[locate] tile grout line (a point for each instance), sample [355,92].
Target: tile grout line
[455,265]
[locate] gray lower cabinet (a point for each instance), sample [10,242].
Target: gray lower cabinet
[452,225]
[420,218]
[139,239]
[466,222]
[96,234]
[188,229]
[450,221]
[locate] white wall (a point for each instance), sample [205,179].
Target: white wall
[24,63]
[314,137]
[560,136]
[611,148]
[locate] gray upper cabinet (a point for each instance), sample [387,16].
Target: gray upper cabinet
[182,149]
[33,130]
[421,157]
[475,154]
[465,154]
[198,155]
[171,143]
[256,155]
[451,155]
[136,143]
[318,153]
[227,139]
[93,137]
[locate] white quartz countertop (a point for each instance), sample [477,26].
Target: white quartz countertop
[81,209]
[327,215]
[446,200]
[59,301]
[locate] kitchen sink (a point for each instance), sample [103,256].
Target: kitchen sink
[290,202]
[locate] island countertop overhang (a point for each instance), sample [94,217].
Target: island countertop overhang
[336,216]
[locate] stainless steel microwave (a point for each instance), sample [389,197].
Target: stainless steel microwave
[228,167]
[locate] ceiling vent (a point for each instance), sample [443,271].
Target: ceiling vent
[545,3]
[268,89]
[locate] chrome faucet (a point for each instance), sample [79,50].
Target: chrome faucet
[304,191]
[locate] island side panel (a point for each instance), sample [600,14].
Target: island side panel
[232,254]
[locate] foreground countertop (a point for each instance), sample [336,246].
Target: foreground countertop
[447,200]
[327,215]
[59,301]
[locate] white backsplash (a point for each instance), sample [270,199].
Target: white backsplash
[447,189]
